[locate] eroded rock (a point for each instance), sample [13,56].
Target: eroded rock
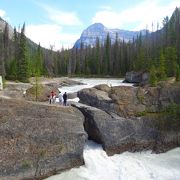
[38,140]
[129,101]
[118,134]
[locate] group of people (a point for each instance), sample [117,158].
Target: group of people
[62,98]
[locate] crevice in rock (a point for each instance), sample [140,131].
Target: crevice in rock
[90,126]
[92,130]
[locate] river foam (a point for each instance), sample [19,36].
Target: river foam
[125,166]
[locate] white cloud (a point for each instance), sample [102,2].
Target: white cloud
[108,18]
[142,14]
[61,17]
[2,13]
[48,34]
[52,34]
[108,8]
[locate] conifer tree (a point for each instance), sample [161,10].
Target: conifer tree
[97,57]
[162,69]
[177,73]
[153,77]
[107,59]
[2,66]
[22,65]
[171,60]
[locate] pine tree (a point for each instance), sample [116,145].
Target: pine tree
[153,77]
[177,73]
[22,65]
[2,66]
[162,69]
[171,60]
[6,45]
[107,59]
[97,57]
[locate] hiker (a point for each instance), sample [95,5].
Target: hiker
[53,97]
[65,99]
[49,98]
[60,98]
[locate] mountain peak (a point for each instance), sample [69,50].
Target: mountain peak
[98,30]
[96,27]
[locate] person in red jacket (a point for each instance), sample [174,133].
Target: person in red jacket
[53,97]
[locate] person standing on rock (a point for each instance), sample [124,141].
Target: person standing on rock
[53,97]
[65,98]
[60,98]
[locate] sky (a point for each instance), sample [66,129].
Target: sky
[59,23]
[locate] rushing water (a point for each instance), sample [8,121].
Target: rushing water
[88,82]
[125,166]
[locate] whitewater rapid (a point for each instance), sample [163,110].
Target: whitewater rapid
[88,83]
[125,166]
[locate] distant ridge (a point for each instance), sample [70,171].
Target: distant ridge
[98,30]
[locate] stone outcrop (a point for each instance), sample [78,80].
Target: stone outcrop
[137,77]
[129,101]
[42,93]
[15,90]
[118,134]
[113,120]
[38,140]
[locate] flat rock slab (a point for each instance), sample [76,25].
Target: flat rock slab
[38,140]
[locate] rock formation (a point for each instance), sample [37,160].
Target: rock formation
[114,121]
[118,134]
[39,140]
[128,101]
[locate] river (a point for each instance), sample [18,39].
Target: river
[125,166]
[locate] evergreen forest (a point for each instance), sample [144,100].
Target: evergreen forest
[157,52]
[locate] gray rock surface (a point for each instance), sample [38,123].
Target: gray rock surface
[129,101]
[137,77]
[118,134]
[38,140]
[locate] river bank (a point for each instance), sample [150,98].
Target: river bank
[55,135]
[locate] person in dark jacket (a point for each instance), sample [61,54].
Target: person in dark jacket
[65,99]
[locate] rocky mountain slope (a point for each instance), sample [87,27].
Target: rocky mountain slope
[2,27]
[89,35]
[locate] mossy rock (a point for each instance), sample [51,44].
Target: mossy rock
[42,92]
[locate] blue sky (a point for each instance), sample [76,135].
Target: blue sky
[60,22]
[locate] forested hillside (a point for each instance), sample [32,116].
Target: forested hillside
[157,52]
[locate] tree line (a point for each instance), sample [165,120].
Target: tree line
[156,52]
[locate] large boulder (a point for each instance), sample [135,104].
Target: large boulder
[39,93]
[137,77]
[15,90]
[96,98]
[129,101]
[121,100]
[39,140]
[118,134]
